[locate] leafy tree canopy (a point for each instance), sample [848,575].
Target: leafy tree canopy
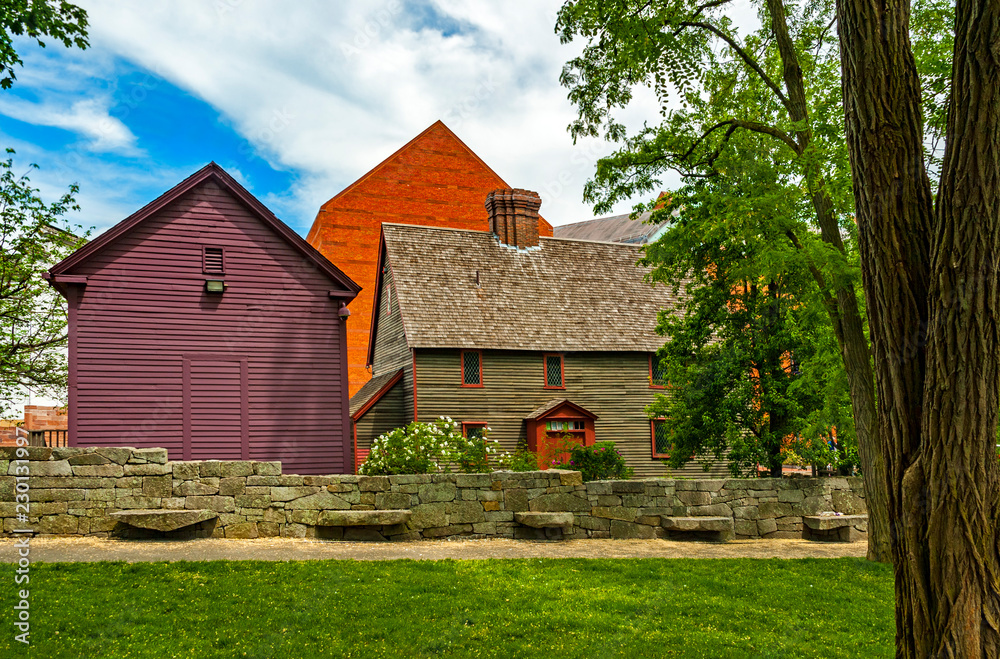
[751,359]
[33,237]
[34,19]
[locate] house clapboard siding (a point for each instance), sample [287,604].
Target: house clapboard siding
[256,373]
[612,385]
[386,414]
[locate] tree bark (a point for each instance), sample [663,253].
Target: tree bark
[860,380]
[931,281]
[845,315]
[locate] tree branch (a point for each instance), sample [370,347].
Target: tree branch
[733,124]
[750,61]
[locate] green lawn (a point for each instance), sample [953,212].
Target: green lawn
[489,608]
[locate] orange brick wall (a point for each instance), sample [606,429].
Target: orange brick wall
[42,417]
[8,436]
[36,417]
[434,180]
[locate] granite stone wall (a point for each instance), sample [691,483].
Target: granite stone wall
[73,491]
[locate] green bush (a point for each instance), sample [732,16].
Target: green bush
[424,448]
[819,453]
[600,461]
[522,460]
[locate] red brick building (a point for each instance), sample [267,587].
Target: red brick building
[48,423]
[433,180]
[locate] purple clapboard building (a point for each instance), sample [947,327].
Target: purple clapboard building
[205,325]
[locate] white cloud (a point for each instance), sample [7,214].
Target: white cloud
[330,89]
[326,90]
[89,118]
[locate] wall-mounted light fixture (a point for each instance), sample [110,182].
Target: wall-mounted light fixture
[344,312]
[215,286]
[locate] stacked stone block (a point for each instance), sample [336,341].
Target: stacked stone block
[72,491]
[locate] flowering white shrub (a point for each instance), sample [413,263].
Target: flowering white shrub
[422,448]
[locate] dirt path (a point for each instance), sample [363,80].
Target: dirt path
[57,550]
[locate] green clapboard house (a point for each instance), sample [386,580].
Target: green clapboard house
[539,338]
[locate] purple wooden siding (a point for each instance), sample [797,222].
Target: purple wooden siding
[144,311]
[216,414]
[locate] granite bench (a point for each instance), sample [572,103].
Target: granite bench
[716,528]
[363,517]
[836,528]
[163,520]
[544,520]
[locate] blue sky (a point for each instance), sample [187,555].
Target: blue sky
[295,100]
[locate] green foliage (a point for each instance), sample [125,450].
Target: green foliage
[734,356]
[600,461]
[34,236]
[423,448]
[753,358]
[754,126]
[933,40]
[521,460]
[819,452]
[676,607]
[35,19]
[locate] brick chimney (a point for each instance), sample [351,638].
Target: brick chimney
[514,216]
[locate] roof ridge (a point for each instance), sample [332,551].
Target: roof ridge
[216,173]
[488,233]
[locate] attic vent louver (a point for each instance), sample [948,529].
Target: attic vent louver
[213,260]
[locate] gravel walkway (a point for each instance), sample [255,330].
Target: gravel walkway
[58,550]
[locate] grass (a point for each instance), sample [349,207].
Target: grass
[490,608]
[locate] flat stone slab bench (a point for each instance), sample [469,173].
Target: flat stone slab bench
[163,520]
[842,528]
[722,526]
[363,517]
[829,522]
[544,520]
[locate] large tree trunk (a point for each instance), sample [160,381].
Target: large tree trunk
[932,290]
[850,332]
[857,364]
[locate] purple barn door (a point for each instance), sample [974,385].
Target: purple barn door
[216,408]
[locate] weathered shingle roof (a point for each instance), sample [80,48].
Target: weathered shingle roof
[563,295]
[617,229]
[553,404]
[377,385]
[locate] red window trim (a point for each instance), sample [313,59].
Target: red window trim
[461,362]
[652,439]
[204,260]
[652,385]
[545,370]
[466,424]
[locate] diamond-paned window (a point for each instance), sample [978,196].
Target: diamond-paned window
[658,373]
[474,430]
[472,369]
[553,371]
[661,439]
